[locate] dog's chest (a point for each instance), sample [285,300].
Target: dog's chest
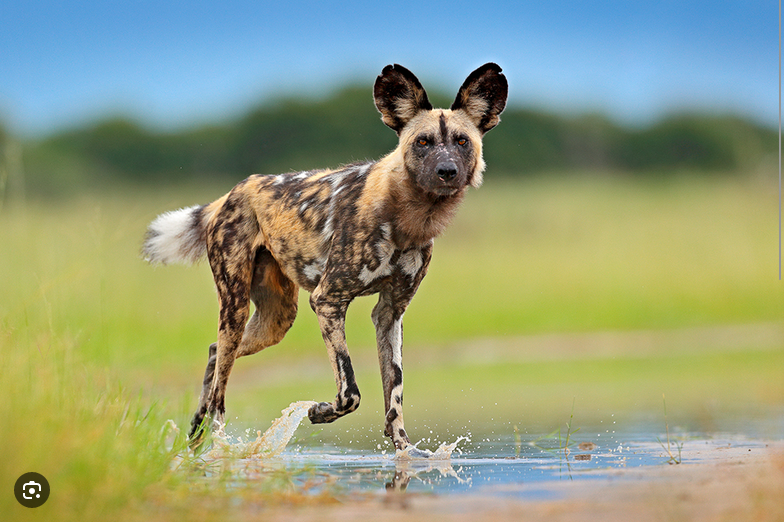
[362,267]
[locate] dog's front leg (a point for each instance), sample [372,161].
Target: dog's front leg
[332,320]
[389,338]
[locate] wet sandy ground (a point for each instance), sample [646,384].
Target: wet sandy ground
[732,483]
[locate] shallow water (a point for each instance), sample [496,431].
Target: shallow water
[507,465]
[499,467]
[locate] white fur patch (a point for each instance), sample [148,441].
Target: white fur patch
[314,270]
[410,262]
[326,232]
[396,340]
[367,276]
[385,250]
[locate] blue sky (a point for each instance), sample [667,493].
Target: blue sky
[172,64]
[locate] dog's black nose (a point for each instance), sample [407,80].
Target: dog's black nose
[446,170]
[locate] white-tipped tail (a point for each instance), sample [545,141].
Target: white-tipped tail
[176,237]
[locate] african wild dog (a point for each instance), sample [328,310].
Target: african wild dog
[359,230]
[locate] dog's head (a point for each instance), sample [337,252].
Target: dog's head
[442,149]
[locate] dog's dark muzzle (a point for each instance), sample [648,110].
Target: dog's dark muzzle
[446,170]
[442,173]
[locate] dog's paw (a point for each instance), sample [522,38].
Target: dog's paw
[199,435]
[198,425]
[321,413]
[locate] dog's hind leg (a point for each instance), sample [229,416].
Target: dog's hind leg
[275,297]
[209,372]
[233,315]
[229,245]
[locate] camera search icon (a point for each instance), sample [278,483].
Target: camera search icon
[32,490]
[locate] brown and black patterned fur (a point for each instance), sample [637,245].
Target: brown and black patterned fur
[339,234]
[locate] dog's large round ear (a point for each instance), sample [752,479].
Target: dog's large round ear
[483,96]
[399,96]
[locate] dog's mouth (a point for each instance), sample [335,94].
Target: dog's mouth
[445,191]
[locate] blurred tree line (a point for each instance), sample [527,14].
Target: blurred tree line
[297,134]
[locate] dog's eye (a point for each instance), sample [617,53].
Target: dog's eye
[462,142]
[422,141]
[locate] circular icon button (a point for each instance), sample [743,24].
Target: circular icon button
[32,490]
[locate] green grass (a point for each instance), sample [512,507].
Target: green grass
[98,350]
[579,253]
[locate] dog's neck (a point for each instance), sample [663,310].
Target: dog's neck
[421,217]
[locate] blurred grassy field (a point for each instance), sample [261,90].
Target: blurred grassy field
[97,349]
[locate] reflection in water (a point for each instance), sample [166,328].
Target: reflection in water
[405,470]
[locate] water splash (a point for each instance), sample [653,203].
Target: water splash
[444,452]
[272,442]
